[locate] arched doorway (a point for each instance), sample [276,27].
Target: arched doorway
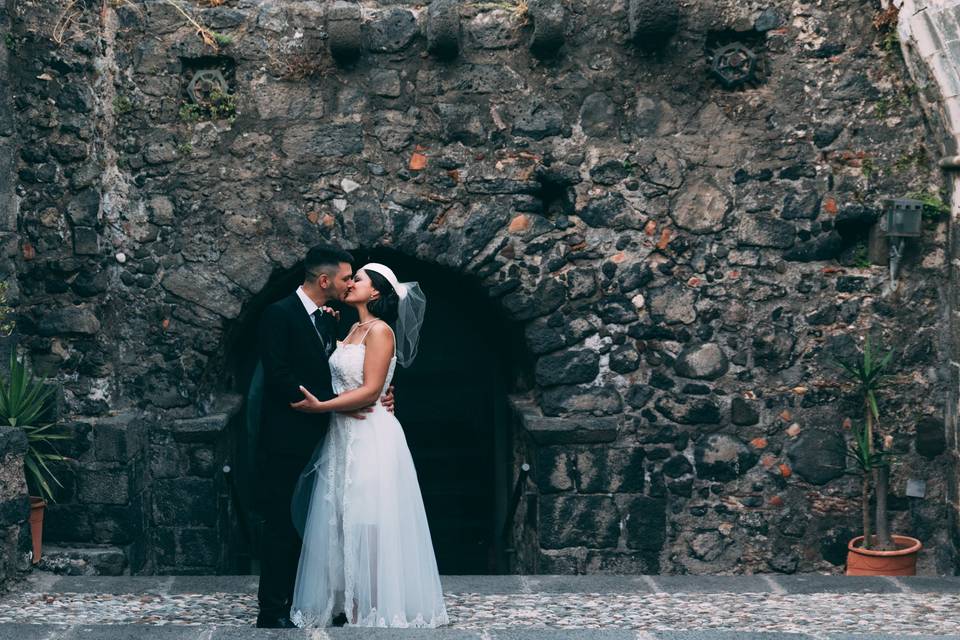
[452,403]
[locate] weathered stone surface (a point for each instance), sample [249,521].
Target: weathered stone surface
[931,437]
[443,28]
[548,296]
[605,470]
[672,304]
[461,123]
[723,457]
[765,231]
[344,30]
[554,469]
[701,208]
[575,521]
[568,367]
[818,456]
[391,30]
[306,143]
[645,523]
[104,487]
[743,412]
[203,288]
[580,399]
[572,430]
[610,210]
[703,361]
[688,410]
[548,23]
[539,120]
[79,320]
[84,209]
[652,22]
[598,116]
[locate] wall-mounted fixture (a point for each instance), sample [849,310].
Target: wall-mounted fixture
[904,220]
[205,85]
[734,64]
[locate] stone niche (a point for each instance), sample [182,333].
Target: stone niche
[657,270]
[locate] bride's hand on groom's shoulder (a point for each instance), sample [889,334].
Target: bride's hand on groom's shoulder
[331,311]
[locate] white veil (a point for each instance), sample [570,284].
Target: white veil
[410,312]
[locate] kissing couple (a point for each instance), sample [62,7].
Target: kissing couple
[345,538]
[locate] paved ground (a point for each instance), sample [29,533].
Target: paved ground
[807,607]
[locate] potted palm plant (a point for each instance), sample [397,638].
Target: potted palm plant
[24,403]
[879,553]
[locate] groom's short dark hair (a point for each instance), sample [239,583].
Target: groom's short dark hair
[324,258]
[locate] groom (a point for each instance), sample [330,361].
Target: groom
[296,336]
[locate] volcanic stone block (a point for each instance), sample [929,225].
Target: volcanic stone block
[672,304]
[542,337]
[823,247]
[205,429]
[443,28]
[78,319]
[573,430]
[677,466]
[578,521]
[722,457]
[568,367]
[104,487]
[303,143]
[610,210]
[554,469]
[116,438]
[203,287]
[606,470]
[765,231]
[701,208]
[548,21]
[624,359]
[539,120]
[546,298]
[598,119]
[931,437]
[84,208]
[703,362]
[645,522]
[391,30]
[686,410]
[185,502]
[86,241]
[818,456]
[197,547]
[743,412]
[461,123]
[652,22]
[344,31]
[580,399]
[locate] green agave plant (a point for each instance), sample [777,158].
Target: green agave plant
[24,401]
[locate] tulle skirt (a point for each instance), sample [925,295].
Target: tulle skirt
[367,550]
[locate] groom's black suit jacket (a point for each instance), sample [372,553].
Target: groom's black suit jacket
[293,354]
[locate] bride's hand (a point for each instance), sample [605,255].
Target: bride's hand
[309,404]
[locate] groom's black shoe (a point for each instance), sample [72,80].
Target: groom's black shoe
[274,622]
[340,619]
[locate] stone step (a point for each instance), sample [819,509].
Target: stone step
[199,632]
[83,560]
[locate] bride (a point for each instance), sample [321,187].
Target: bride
[367,551]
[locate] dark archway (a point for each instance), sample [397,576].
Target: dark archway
[452,403]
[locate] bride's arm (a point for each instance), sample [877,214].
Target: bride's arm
[376,363]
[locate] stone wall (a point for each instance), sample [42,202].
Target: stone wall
[14,506]
[684,259]
[930,37]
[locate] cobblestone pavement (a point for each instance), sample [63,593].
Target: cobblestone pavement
[818,606]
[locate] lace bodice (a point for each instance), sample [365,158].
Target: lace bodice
[346,367]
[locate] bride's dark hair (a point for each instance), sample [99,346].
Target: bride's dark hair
[385,307]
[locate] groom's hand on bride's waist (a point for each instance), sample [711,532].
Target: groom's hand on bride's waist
[387,399]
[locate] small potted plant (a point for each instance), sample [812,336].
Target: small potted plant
[24,403]
[880,553]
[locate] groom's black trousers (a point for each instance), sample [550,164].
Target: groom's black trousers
[280,543]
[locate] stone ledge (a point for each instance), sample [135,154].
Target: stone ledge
[509,584]
[14,631]
[100,560]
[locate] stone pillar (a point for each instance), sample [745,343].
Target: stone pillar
[14,505]
[929,33]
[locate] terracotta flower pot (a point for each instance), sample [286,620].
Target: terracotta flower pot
[37,505]
[870,562]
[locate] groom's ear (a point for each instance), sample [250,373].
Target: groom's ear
[323,281]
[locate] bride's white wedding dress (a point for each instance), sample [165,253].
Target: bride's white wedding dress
[366,546]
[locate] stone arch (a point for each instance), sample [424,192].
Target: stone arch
[453,403]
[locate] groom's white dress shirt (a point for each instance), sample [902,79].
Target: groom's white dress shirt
[308,304]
